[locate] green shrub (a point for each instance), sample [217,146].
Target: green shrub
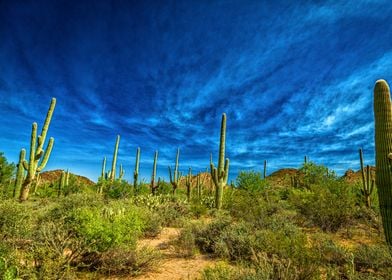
[250,181]
[329,205]
[376,257]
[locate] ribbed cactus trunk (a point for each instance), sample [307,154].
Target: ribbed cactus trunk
[220,175]
[383,147]
[154,174]
[112,175]
[38,156]
[136,171]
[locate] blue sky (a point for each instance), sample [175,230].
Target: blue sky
[294,79]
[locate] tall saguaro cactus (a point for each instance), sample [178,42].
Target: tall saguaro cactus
[136,172]
[175,177]
[112,175]
[383,147]
[220,175]
[38,156]
[367,181]
[154,186]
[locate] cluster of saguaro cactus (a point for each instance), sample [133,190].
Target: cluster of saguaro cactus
[220,175]
[38,157]
[176,176]
[136,171]
[188,184]
[367,180]
[383,149]
[154,186]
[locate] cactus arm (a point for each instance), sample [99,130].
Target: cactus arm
[46,155]
[226,170]
[103,168]
[25,165]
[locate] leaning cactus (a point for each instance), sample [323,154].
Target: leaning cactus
[220,175]
[175,177]
[136,172]
[366,179]
[154,186]
[383,149]
[112,173]
[38,156]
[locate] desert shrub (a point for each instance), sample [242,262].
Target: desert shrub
[328,252]
[16,219]
[7,171]
[117,189]
[329,205]
[314,174]
[250,181]
[185,244]
[129,262]
[105,228]
[197,210]
[375,256]
[206,237]
[152,224]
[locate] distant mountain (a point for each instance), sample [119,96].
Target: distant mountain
[52,176]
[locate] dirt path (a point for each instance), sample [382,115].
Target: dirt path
[172,266]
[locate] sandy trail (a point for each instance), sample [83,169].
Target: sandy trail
[173,267]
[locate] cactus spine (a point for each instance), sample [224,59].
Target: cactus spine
[188,183]
[112,173]
[154,186]
[220,175]
[175,177]
[383,147]
[38,156]
[366,178]
[136,172]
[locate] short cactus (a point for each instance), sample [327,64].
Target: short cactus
[136,172]
[38,156]
[188,184]
[383,149]
[176,176]
[19,173]
[367,180]
[265,169]
[220,175]
[153,185]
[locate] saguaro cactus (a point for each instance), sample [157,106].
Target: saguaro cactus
[20,172]
[103,172]
[188,183]
[175,177]
[366,179]
[154,186]
[220,175]
[383,147]
[121,172]
[38,156]
[265,169]
[136,172]
[112,174]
